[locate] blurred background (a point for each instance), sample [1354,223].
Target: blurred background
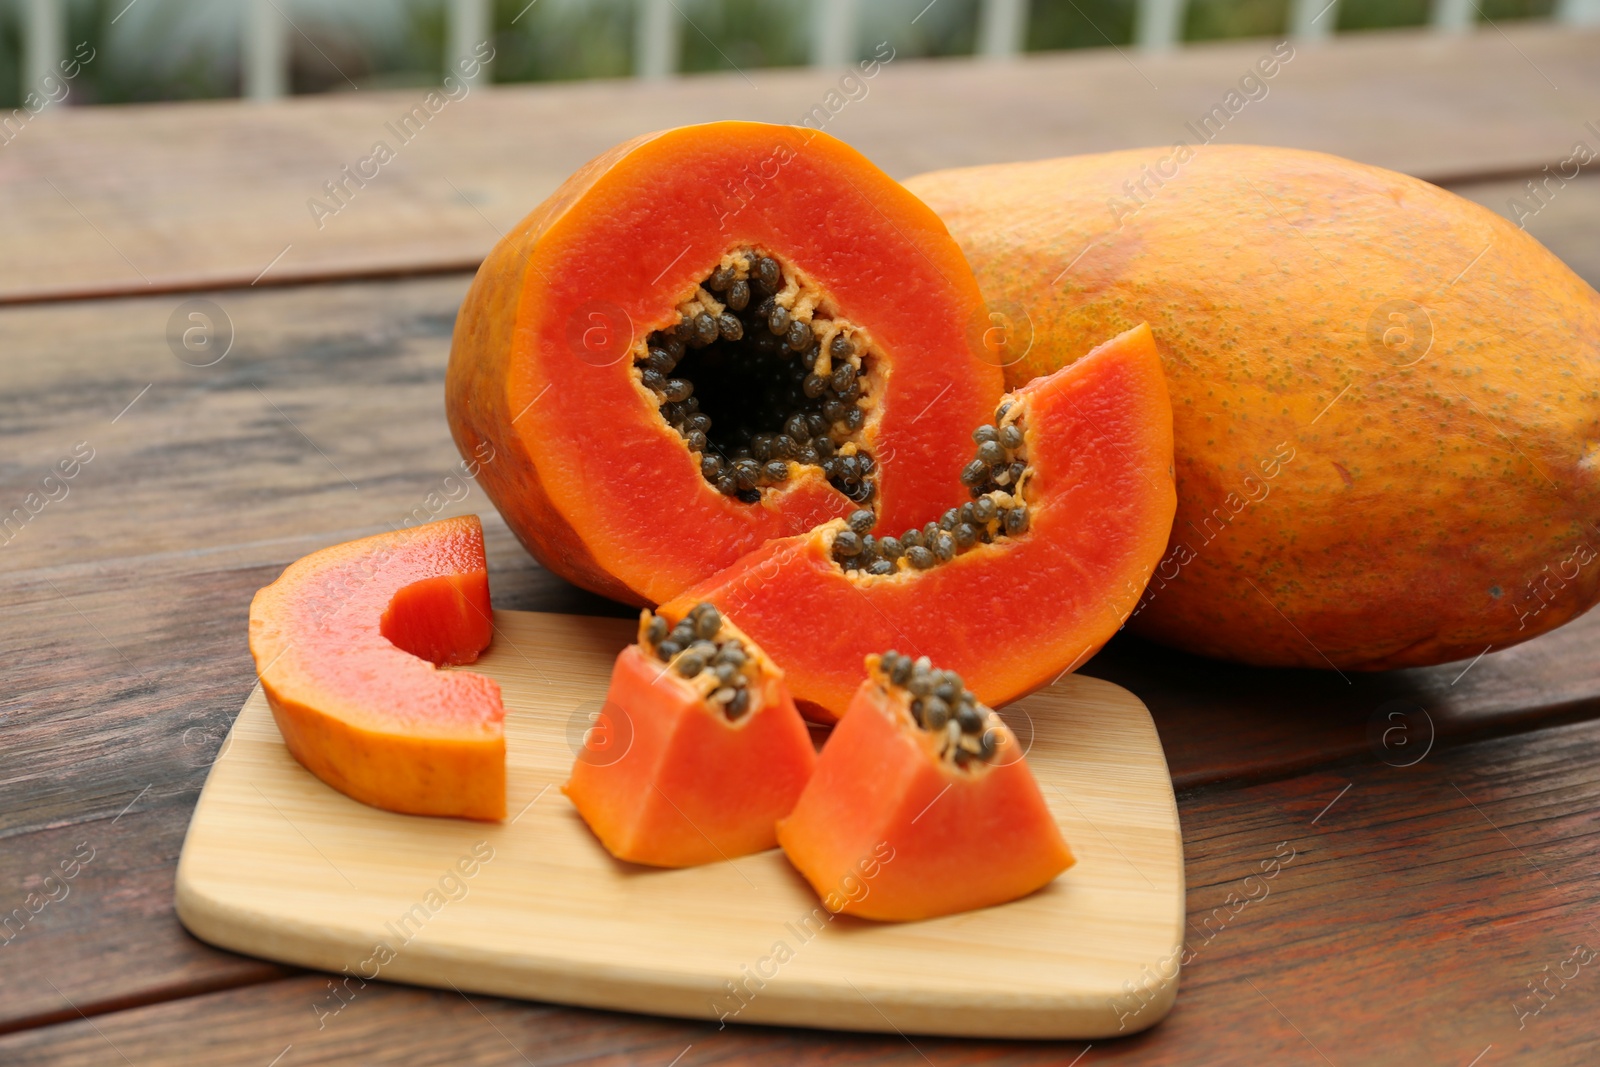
[146,50]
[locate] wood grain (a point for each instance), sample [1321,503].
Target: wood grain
[277,864]
[1413,910]
[325,423]
[124,628]
[1420,904]
[140,579]
[174,196]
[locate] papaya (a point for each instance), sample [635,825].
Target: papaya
[710,337]
[348,643]
[1070,502]
[921,804]
[716,752]
[1385,398]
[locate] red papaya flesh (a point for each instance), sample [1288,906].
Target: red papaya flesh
[711,337]
[348,642]
[702,749]
[921,804]
[1071,502]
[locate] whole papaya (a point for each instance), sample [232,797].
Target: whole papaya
[1386,399]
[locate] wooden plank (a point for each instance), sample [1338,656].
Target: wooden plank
[127,199]
[279,865]
[108,933]
[1223,721]
[122,682]
[338,383]
[124,633]
[110,733]
[125,675]
[344,382]
[1430,914]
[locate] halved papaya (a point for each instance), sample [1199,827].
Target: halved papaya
[348,642]
[921,804]
[1071,503]
[715,755]
[710,337]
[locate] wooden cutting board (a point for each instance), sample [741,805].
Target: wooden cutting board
[277,864]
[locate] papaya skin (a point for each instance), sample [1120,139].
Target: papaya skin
[1355,490]
[596,486]
[339,641]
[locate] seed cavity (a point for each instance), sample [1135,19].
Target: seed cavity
[997,480]
[962,731]
[754,355]
[704,652]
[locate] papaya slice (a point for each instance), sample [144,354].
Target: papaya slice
[348,643]
[710,337]
[1071,502]
[714,751]
[922,803]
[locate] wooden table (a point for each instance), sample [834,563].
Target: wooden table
[1431,881]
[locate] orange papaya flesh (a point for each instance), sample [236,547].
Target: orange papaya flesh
[635,456]
[705,764]
[921,806]
[1015,609]
[348,643]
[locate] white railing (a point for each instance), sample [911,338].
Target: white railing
[833,33]
[44,41]
[1002,28]
[1312,20]
[471,24]
[1159,24]
[658,32]
[657,37]
[263,51]
[1454,16]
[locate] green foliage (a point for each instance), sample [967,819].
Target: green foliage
[10,58]
[1055,24]
[1210,20]
[917,28]
[1382,14]
[744,34]
[560,39]
[1517,9]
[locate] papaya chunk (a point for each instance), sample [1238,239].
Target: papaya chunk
[922,803]
[702,751]
[348,642]
[1070,504]
[710,337]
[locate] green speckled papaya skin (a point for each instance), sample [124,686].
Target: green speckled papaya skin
[1386,399]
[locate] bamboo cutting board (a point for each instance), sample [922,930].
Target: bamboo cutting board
[277,864]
